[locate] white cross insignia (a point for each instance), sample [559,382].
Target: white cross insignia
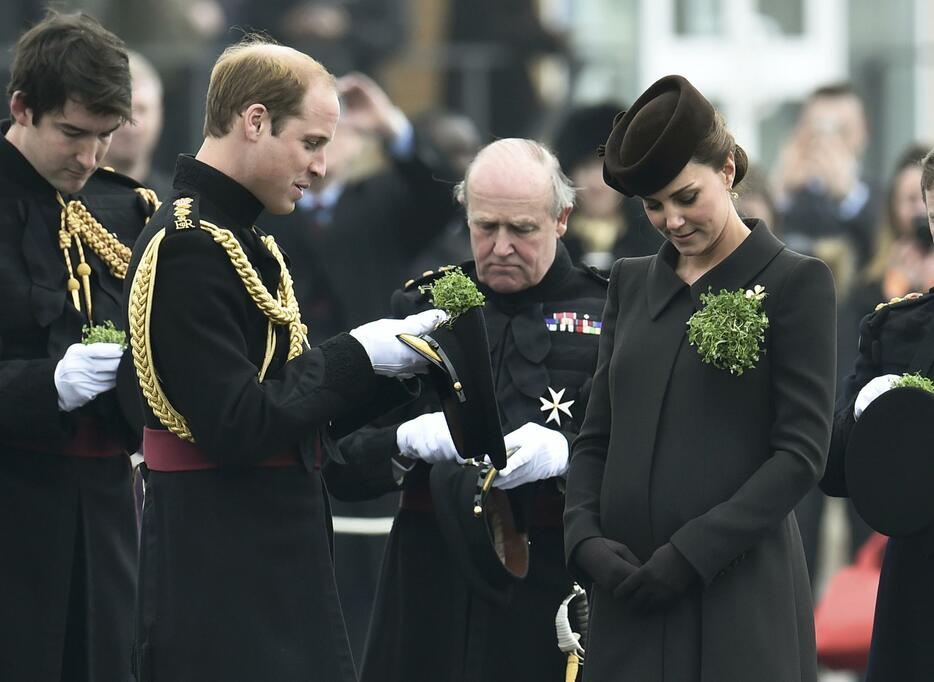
[556,406]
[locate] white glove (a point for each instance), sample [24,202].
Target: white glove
[427,438]
[388,355]
[542,453]
[871,391]
[85,372]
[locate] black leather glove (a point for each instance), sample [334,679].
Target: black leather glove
[664,577]
[607,562]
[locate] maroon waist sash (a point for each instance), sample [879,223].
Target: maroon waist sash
[164,451]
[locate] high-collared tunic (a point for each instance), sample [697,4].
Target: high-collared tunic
[675,450]
[236,580]
[67,522]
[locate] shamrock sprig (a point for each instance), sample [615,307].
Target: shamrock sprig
[916,380]
[455,293]
[103,333]
[729,330]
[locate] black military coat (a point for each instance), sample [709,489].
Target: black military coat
[427,625]
[67,523]
[675,450]
[889,342]
[236,580]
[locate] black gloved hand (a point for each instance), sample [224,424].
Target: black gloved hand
[664,577]
[607,562]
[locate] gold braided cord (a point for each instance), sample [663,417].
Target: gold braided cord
[281,310]
[140,311]
[78,222]
[149,196]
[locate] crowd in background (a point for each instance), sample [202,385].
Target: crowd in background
[384,213]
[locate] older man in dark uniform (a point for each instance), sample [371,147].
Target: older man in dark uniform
[68,563]
[543,319]
[236,580]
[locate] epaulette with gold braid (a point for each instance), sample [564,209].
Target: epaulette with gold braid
[279,310]
[914,296]
[426,277]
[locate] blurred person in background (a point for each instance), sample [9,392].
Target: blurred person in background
[456,137]
[820,192]
[133,144]
[604,226]
[353,237]
[903,260]
[512,35]
[344,35]
[827,209]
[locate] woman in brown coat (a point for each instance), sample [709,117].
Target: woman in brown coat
[684,476]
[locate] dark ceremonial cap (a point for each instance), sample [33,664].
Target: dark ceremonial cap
[479,529]
[581,132]
[656,137]
[459,357]
[890,462]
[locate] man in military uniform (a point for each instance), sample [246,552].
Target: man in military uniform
[897,338]
[236,581]
[68,563]
[543,320]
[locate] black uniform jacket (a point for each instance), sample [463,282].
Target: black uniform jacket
[426,623]
[236,581]
[889,342]
[67,523]
[675,450]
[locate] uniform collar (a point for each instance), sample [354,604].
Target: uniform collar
[733,272]
[17,168]
[218,193]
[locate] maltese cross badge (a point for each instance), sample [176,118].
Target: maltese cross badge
[556,406]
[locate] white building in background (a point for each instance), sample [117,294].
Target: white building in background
[757,59]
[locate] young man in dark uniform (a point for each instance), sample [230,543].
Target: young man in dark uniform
[236,581]
[67,522]
[543,322]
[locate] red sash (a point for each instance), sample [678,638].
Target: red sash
[164,451]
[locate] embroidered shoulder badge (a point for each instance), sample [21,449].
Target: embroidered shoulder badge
[572,323]
[182,212]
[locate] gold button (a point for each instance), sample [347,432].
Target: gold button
[427,272]
[457,386]
[409,283]
[477,510]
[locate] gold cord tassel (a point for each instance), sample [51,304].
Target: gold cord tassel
[78,226]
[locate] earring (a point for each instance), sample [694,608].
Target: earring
[734,194]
